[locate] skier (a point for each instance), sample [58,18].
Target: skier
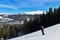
[42,27]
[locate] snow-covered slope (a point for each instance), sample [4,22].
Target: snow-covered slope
[51,33]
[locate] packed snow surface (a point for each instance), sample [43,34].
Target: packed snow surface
[51,33]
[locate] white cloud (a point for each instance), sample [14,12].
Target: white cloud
[35,3]
[8,6]
[32,3]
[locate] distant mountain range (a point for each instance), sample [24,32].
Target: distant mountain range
[27,13]
[22,16]
[34,12]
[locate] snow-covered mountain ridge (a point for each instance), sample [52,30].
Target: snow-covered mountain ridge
[27,13]
[34,12]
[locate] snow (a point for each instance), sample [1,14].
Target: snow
[51,33]
[34,12]
[1,17]
[9,19]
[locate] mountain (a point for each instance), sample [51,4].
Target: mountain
[51,33]
[34,12]
[22,16]
[27,13]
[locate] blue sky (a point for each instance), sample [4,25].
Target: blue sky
[17,6]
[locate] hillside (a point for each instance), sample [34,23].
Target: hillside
[51,33]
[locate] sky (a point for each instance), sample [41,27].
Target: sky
[18,6]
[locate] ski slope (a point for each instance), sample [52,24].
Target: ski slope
[51,33]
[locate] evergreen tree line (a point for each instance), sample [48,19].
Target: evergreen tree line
[51,17]
[10,31]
